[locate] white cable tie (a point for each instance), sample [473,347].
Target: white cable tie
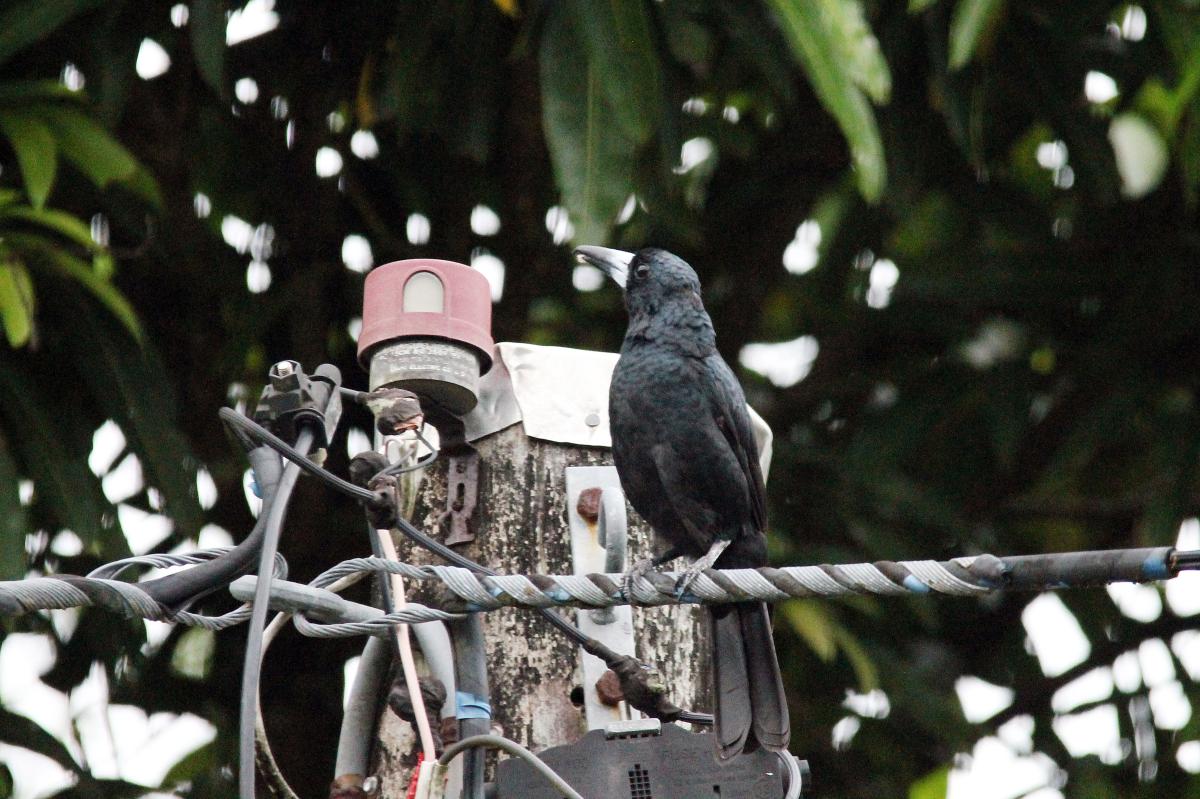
[937,577]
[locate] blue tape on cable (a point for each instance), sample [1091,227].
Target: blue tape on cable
[915,585]
[472,707]
[1155,568]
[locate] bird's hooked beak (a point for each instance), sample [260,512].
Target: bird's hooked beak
[614,263]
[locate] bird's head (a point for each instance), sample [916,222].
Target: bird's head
[652,278]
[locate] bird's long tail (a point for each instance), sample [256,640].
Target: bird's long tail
[751,708]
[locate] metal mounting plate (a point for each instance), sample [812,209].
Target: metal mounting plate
[587,557]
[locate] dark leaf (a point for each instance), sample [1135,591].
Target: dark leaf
[20,731]
[28,22]
[207,23]
[593,160]
[36,152]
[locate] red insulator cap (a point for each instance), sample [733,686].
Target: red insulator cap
[427,298]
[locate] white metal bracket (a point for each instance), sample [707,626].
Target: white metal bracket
[598,545]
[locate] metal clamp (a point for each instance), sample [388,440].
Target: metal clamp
[462,493]
[612,533]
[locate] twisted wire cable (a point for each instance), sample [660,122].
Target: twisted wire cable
[466,591]
[101,589]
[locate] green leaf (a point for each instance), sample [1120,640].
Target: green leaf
[67,490]
[203,760]
[621,55]
[917,6]
[857,47]
[812,42]
[57,221]
[77,269]
[27,734]
[864,667]
[207,25]
[131,386]
[593,159]
[16,302]
[193,654]
[14,520]
[26,23]
[103,265]
[92,149]
[36,153]
[812,623]
[27,92]
[971,22]
[933,785]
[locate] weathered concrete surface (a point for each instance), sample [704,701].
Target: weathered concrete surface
[521,527]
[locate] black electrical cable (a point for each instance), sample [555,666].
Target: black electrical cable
[252,667]
[183,588]
[257,431]
[470,669]
[1183,561]
[589,644]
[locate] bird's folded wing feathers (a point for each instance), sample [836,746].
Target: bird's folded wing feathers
[731,417]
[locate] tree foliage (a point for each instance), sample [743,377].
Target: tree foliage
[968,225]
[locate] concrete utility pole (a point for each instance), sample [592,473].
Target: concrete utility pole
[521,526]
[524,484]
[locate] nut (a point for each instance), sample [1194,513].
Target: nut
[588,506]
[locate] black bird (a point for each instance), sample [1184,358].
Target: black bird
[688,463]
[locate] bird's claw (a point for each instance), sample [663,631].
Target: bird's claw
[699,566]
[685,580]
[639,570]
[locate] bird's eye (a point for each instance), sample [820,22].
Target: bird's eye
[641,270]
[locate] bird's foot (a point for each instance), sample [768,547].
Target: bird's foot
[639,570]
[698,567]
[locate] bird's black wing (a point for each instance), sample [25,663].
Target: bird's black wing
[733,419]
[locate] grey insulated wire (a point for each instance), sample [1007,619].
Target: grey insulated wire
[474,592]
[252,668]
[358,721]
[515,749]
[258,432]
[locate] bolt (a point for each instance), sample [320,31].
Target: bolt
[283,368]
[608,689]
[588,506]
[592,419]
